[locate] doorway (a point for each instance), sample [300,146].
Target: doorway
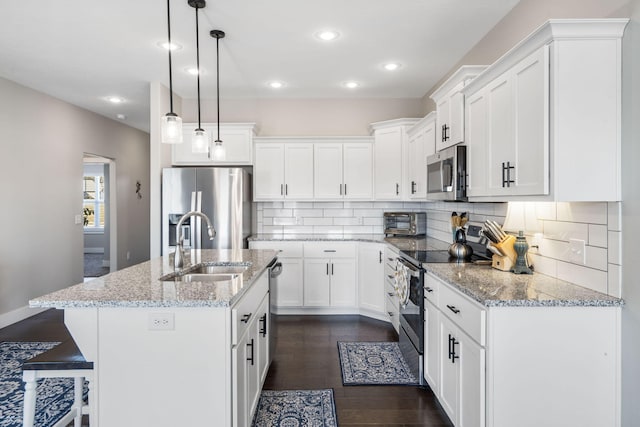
[98,211]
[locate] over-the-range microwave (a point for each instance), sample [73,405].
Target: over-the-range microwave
[447,174]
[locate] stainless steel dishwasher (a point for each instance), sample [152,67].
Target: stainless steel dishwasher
[275,268]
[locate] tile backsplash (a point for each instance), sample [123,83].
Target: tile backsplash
[597,224]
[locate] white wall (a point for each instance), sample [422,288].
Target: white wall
[42,142]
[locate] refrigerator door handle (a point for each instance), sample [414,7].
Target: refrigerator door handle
[198,221]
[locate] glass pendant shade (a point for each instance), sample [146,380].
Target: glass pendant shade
[200,141]
[171,129]
[219,152]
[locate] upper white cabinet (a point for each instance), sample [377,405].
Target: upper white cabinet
[421,140]
[450,106]
[237,139]
[390,171]
[283,171]
[343,171]
[533,128]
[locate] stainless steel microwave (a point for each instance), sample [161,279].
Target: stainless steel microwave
[405,223]
[447,174]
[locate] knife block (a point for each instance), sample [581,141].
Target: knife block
[505,247]
[502,263]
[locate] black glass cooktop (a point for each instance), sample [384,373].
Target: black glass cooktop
[440,257]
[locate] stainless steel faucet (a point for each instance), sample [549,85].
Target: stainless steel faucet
[178,257]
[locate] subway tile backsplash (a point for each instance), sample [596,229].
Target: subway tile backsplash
[597,224]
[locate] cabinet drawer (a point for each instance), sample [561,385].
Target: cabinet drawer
[431,289]
[393,311]
[286,249]
[390,289]
[330,250]
[463,312]
[245,310]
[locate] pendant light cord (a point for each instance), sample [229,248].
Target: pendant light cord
[170,47]
[218,83]
[198,65]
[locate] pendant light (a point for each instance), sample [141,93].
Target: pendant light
[219,152]
[200,139]
[170,123]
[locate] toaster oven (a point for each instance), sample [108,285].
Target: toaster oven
[405,223]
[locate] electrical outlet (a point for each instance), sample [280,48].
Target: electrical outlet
[161,322]
[577,253]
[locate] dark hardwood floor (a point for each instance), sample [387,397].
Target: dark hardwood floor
[306,357]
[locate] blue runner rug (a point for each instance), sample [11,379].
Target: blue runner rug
[55,395]
[289,408]
[374,363]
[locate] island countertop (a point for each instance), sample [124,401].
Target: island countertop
[140,285]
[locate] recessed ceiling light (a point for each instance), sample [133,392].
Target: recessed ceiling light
[351,85]
[193,71]
[115,99]
[327,35]
[172,46]
[391,66]
[276,85]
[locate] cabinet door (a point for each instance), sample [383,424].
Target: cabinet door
[343,283]
[471,407]
[237,143]
[388,164]
[500,143]
[288,285]
[298,167]
[442,121]
[371,277]
[327,171]
[476,126]
[358,171]
[264,329]
[432,353]
[449,371]
[268,172]
[456,118]
[530,82]
[316,282]
[420,145]
[253,374]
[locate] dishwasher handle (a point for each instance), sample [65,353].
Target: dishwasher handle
[276,269]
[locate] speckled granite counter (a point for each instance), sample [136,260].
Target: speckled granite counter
[139,285]
[494,288]
[401,243]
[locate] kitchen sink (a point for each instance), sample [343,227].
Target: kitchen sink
[206,273]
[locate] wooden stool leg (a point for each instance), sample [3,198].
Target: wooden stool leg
[78,383]
[29,409]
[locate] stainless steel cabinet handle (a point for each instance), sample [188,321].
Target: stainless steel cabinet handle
[380,257]
[332,269]
[341,189]
[329,250]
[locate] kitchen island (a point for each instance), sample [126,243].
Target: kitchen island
[171,352]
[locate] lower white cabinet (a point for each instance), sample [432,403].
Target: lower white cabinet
[330,281]
[287,287]
[432,352]
[371,277]
[392,301]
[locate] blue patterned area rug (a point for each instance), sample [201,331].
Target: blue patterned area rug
[374,363]
[296,408]
[55,395]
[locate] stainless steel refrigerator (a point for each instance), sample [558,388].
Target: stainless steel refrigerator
[223,194]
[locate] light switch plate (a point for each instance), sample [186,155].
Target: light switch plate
[577,253]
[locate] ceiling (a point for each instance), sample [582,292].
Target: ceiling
[83,52]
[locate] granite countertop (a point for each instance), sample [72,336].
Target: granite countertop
[139,285]
[402,243]
[495,288]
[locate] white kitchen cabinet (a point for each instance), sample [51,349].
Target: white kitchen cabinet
[449,129]
[392,301]
[432,353]
[283,171]
[263,334]
[287,288]
[542,138]
[330,275]
[420,144]
[343,171]
[389,168]
[371,297]
[237,139]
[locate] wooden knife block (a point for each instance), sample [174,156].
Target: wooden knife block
[502,263]
[508,259]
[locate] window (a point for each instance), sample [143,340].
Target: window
[93,205]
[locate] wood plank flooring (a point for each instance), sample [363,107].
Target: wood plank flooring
[306,357]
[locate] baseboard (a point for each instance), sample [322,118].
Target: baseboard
[106,263]
[19,314]
[331,311]
[93,250]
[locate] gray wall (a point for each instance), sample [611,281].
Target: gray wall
[42,142]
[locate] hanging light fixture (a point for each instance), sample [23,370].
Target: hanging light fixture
[170,123]
[219,152]
[200,139]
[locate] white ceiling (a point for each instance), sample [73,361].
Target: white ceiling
[84,51]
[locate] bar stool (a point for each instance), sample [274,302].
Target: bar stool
[63,361]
